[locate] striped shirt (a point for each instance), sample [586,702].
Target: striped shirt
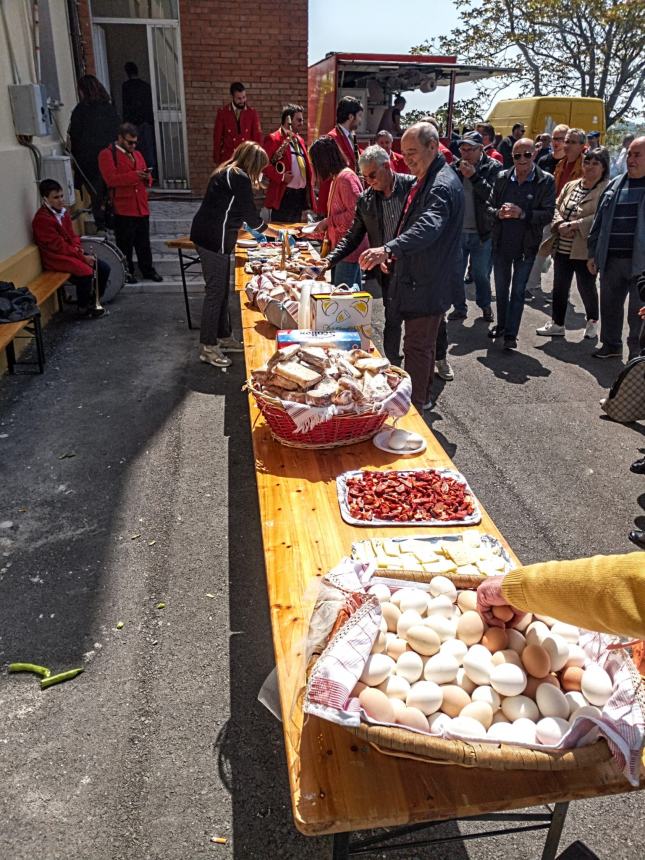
[392,207]
[575,198]
[623,226]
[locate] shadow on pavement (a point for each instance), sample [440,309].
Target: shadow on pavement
[579,352]
[515,367]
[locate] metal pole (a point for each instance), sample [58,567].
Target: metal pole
[451,105]
[555,831]
[341,846]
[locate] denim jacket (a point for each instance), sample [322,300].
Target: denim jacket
[598,241]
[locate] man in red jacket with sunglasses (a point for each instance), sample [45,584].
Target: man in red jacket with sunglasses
[234,123]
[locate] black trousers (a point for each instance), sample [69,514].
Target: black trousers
[216,319]
[293,202]
[83,283]
[133,233]
[392,327]
[564,269]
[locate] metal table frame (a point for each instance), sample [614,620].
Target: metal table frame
[187,261]
[552,821]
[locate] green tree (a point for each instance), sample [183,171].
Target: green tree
[566,47]
[465,112]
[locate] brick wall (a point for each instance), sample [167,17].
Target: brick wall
[265,48]
[83,9]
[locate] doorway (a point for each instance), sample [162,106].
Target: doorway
[155,49]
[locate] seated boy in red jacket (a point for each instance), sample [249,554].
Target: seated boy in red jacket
[61,250]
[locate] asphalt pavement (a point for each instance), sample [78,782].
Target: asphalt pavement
[127,494]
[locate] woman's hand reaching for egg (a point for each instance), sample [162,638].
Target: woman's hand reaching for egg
[493,606]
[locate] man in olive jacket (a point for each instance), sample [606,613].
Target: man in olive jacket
[425,255]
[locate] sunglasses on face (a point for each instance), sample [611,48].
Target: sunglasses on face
[518,155]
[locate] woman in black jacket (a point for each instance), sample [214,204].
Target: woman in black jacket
[93,126]
[228,203]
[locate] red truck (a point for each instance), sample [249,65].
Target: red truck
[375,79]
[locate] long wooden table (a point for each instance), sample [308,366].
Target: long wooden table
[338,783]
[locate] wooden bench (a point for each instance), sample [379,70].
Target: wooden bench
[44,286]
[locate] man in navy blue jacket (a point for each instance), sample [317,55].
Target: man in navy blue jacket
[425,255]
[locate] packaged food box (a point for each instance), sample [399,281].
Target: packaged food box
[339,339]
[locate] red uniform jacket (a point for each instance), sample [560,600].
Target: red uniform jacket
[128,191]
[397,163]
[347,151]
[491,152]
[229,133]
[447,154]
[277,187]
[59,246]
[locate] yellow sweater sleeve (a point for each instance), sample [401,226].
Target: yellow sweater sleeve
[604,593]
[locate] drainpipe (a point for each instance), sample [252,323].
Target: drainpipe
[36,33]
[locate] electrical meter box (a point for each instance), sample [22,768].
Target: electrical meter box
[30,112]
[59,167]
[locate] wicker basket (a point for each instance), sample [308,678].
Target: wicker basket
[338,431]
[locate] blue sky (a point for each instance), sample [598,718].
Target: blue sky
[383,27]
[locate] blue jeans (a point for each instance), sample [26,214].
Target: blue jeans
[347,273]
[511,276]
[480,259]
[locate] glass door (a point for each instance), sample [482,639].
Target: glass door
[166,80]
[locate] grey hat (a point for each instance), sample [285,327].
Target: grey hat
[474,138]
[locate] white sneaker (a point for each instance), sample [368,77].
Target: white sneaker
[591,329]
[230,344]
[443,369]
[550,329]
[213,355]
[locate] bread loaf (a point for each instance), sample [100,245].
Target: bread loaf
[304,377]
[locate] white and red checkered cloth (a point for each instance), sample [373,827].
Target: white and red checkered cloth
[334,676]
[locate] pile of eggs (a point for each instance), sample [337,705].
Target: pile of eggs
[435,666]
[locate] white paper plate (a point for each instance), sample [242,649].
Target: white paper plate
[380,441]
[310,229]
[247,243]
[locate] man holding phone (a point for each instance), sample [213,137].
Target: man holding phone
[127,178]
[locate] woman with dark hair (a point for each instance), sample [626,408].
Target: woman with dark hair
[93,125]
[345,190]
[574,213]
[227,204]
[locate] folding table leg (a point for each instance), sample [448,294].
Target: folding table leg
[182,269]
[341,846]
[40,346]
[11,357]
[552,842]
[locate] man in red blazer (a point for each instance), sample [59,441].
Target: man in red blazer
[127,179]
[349,113]
[290,190]
[384,139]
[61,249]
[234,123]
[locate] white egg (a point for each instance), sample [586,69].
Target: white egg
[443,585]
[379,643]
[576,700]
[523,623]
[551,730]
[446,628]
[535,632]
[551,701]
[441,605]
[516,640]
[567,631]
[462,680]
[467,600]
[391,614]
[426,696]
[396,597]
[377,668]
[480,711]
[413,598]
[409,666]
[508,679]
[558,650]
[585,711]
[520,707]
[501,731]
[408,619]
[478,664]
[500,717]
[381,592]
[398,705]
[467,727]
[413,441]
[456,648]
[439,722]
[488,695]
[596,685]
[395,687]
[394,647]
[546,619]
[525,730]
[442,669]
[383,625]
[577,657]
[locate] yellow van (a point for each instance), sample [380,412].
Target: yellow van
[542,113]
